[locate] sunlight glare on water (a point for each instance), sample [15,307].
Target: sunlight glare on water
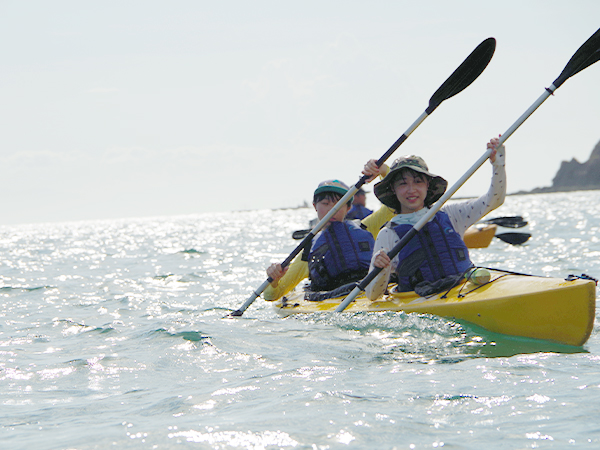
[112,334]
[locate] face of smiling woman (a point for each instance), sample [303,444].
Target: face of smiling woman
[411,192]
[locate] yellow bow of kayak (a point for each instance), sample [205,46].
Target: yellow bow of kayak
[555,309]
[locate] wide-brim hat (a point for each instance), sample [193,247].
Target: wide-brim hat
[336,186]
[385,193]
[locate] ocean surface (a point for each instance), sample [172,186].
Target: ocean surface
[112,335]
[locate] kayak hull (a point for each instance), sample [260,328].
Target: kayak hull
[479,236]
[513,304]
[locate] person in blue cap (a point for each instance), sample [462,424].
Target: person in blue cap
[359,209]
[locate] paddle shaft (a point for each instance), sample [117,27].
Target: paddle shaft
[585,56]
[437,206]
[346,198]
[459,80]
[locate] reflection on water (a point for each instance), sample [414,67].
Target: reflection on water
[127,316]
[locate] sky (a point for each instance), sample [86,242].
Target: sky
[116,109]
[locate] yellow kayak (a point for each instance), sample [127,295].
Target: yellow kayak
[479,236]
[556,309]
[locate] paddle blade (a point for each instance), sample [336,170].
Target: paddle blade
[514,238]
[587,55]
[465,74]
[508,221]
[300,234]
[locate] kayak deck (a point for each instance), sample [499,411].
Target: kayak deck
[556,309]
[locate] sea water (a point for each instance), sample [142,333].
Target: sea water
[112,335]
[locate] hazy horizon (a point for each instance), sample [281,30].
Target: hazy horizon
[143,109]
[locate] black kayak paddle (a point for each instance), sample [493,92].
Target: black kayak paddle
[460,79]
[507,222]
[514,238]
[585,56]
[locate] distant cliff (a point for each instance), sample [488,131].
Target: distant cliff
[575,176]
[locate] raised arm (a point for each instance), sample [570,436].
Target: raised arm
[465,214]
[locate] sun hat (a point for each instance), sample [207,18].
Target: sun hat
[336,186]
[385,193]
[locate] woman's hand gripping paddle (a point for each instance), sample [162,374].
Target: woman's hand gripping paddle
[462,77]
[587,55]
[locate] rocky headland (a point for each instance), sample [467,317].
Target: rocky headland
[574,176]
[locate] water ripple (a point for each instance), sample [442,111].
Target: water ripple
[112,334]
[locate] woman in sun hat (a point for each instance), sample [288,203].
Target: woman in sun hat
[438,251]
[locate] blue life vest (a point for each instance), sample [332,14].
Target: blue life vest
[437,251]
[358,212]
[340,254]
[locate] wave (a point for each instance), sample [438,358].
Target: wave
[23,289]
[193,336]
